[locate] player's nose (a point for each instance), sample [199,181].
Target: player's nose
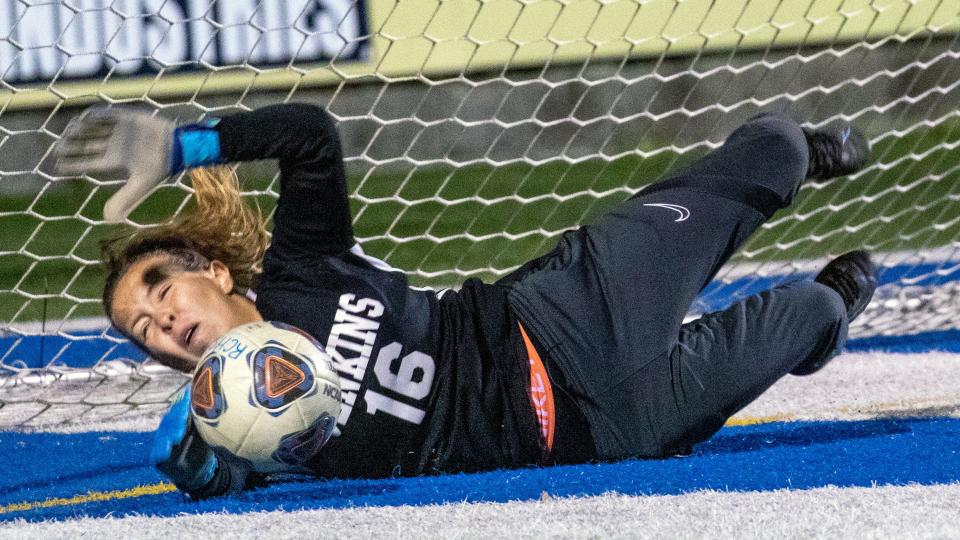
[166,318]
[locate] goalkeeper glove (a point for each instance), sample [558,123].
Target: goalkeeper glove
[179,452]
[147,147]
[112,140]
[182,456]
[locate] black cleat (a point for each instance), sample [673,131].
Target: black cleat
[835,151]
[854,278]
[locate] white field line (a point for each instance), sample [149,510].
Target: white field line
[830,512]
[82,324]
[110,368]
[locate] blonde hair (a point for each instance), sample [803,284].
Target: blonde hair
[220,227]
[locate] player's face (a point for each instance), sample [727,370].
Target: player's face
[177,314]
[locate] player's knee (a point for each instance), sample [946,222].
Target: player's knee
[783,139]
[823,332]
[772,153]
[825,306]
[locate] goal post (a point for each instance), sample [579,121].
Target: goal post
[475,133]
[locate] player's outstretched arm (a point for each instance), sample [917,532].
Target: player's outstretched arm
[181,455]
[313,212]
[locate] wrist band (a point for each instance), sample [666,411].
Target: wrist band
[195,145]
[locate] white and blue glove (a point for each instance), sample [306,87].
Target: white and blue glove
[146,147]
[182,456]
[178,451]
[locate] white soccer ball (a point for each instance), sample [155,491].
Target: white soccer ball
[268,394]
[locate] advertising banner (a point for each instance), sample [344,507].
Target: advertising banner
[136,49]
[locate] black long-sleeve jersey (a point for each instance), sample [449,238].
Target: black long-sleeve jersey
[429,382]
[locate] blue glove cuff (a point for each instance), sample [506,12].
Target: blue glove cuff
[205,475]
[195,145]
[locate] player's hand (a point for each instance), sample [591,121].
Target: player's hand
[179,452]
[118,140]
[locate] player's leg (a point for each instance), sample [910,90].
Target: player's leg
[616,291]
[725,360]
[854,278]
[612,296]
[638,268]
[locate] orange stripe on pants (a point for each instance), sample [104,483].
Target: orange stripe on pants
[541,392]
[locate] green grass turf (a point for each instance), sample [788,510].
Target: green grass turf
[909,202]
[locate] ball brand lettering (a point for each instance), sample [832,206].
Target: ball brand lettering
[331,391]
[229,347]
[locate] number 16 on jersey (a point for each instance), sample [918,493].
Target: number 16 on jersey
[410,376]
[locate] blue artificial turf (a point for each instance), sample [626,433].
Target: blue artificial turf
[941,340]
[794,455]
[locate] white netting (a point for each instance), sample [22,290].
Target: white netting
[474,133]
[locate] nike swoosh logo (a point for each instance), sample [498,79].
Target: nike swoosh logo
[682,210]
[845,135]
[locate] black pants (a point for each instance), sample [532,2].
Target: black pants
[607,304]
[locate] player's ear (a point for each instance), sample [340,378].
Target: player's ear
[220,274]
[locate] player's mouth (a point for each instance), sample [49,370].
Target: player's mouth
[189,335]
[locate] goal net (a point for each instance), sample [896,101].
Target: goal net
[475,133]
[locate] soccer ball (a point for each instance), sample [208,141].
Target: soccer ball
[268,394]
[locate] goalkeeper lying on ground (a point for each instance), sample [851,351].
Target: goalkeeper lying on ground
[579,355]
